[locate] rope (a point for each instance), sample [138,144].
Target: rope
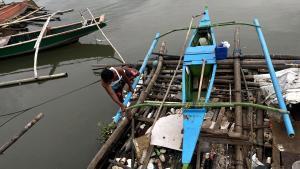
[105,36]
[17,113]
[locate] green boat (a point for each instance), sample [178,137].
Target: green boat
[56,36]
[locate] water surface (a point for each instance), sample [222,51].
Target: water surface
[67,136]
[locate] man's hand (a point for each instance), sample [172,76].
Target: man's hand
[123,109]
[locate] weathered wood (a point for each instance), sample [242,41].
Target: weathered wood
[145,120]
[259,132]
[258,62]
[19,135]
[273,56]
[157,97]
[102,66]
[32,80]
[256,67]
[258,127]
[223,139]
[37,17]
[238,97]
[219,118]
[198,160]
[25,16]
[221,81]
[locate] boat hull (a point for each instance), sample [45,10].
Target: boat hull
[199,56]
[12,10]
[48,41]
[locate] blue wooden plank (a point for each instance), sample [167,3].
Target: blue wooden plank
[192,122]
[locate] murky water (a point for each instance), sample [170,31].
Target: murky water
[67,136]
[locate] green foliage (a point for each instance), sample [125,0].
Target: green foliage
[106,130]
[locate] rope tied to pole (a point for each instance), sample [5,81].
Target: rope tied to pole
[105,35]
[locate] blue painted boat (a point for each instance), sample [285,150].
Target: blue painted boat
[202,49]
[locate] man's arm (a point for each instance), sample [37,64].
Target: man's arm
[113,95]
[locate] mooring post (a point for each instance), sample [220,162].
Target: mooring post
[282,105]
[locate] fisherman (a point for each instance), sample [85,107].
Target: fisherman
[114,80]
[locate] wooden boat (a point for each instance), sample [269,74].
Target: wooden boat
[12,10]
[24,42]
[198,74]
[158,143]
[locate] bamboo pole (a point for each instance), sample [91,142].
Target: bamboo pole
[257,67]
[208,105]
[225,81]
[260,132]
[32,79]
[259,62]
[246,63]
[273,56]
[19,135]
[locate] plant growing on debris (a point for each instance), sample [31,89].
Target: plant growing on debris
[105,131]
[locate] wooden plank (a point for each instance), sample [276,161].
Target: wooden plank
[219,118]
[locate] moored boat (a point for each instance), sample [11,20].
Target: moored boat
[12,10]
[198,74]
[166,132]
[24,42]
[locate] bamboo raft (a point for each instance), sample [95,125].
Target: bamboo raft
[221,137]
[231,133]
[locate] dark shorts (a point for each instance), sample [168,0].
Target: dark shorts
[131,74]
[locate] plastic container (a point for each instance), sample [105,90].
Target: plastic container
[221,52]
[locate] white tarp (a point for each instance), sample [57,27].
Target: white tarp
[289,83]
[167,132]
